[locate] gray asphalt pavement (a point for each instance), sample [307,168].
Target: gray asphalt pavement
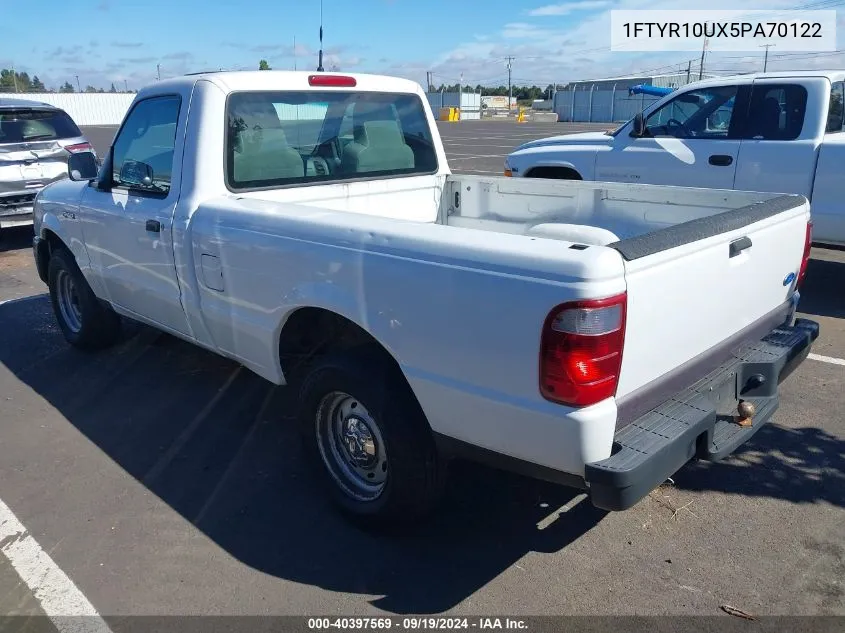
[165,480]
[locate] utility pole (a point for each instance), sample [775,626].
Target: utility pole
[766,58]
[320,62]
[701,67]
[126,85]
[689,69]
[77,83]
[510,87]
[158,72]
[15,78]
[294,52]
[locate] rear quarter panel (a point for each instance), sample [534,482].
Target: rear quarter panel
[461,311]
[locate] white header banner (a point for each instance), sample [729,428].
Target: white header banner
[686,30]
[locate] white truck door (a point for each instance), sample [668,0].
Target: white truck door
[128,224]
[690,141]
[782,135]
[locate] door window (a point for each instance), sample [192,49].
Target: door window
[144,148]
[703,113]
[776,112]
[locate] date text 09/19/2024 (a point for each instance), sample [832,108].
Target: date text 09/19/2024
[416,623]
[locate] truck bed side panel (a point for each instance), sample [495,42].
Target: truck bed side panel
[461,311]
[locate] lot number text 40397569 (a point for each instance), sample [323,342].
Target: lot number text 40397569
[417,623]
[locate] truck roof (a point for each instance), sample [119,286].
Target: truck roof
[832,75]
[236,81]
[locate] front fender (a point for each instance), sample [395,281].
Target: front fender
[57,219]
[581,161]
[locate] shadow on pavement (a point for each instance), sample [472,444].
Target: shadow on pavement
[803,465]
[15,238]
[822,292]
[217,444]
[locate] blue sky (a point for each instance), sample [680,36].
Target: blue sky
[104,41]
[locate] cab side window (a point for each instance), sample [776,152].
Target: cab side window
[835,113]
[776,112]
[143,151]
[704,113]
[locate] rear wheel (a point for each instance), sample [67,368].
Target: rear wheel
[369,440]
[83,320]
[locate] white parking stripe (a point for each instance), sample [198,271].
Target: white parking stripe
[827,359]
[63,603]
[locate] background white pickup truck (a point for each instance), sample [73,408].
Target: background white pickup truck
[308,227]
[773,132]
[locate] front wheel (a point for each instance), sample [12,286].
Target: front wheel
[83,320]
[369,440]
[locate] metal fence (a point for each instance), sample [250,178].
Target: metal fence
[599,105]
[84,108]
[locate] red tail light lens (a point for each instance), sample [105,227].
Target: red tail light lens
[581,351]
[805,260]
[332,81]
[79,147]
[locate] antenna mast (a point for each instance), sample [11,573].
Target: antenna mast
[320,63]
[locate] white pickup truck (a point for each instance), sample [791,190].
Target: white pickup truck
[308,227]
[774,132]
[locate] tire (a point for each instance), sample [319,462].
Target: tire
[84,321]
[399,476]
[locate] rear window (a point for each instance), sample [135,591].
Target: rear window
[284,138]
[25,125]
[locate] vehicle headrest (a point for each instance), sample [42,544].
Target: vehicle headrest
[379,133]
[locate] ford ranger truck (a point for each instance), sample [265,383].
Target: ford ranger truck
[307,226]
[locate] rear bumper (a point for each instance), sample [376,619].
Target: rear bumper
[700,420]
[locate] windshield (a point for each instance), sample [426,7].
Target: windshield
[25,125]
[281,138]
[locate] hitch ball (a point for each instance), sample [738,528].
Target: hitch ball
[746,412]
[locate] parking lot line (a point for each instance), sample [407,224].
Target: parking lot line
[469,157]
[827,359]
[65,605]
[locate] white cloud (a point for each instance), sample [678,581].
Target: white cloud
[545,53]
[566,8]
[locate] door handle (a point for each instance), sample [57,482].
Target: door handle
[737,246]
[721,160]
[153,226]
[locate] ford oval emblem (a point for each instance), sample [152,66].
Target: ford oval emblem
[789,279]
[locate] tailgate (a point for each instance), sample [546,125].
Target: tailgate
[700,289]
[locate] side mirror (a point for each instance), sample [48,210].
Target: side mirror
[82,166]
[136,173]
[638,125]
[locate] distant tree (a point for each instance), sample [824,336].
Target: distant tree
[90,88]
[37,85]
[263,65]
[67,87]
[11,81]
[112,89]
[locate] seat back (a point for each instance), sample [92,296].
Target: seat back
[261,149]
[378,146]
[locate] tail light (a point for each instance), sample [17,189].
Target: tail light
[581,351]
[805,260]
[332,81]
[79,147]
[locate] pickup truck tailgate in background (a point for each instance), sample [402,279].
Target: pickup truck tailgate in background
[695,287]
